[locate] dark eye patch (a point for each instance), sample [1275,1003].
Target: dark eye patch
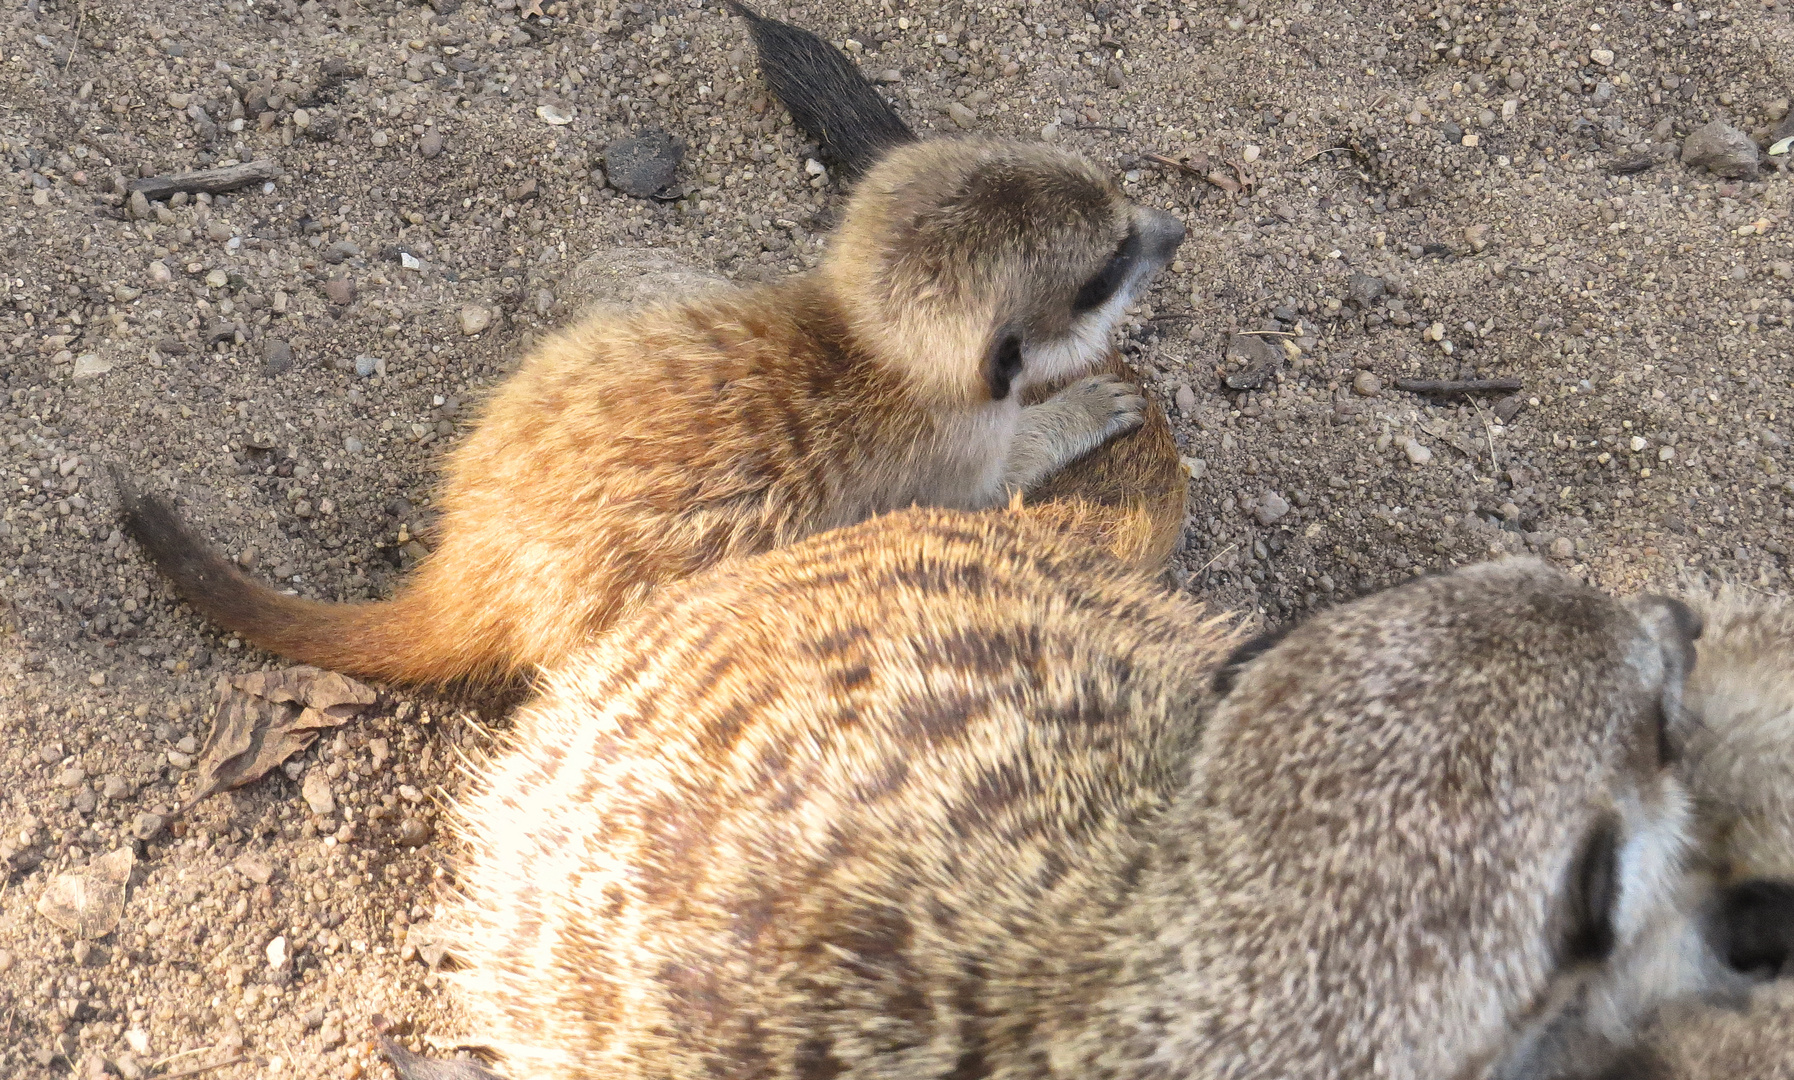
[1002,365]
[1668,752]
[1594,893]
[1101,287]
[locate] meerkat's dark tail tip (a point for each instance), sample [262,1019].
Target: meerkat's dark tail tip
[825,93]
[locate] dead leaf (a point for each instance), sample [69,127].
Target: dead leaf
[531,7]
[90,902]
[266,717]
[1224,182]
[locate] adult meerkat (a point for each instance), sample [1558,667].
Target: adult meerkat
[636,448]
[1738,764]
[927,797]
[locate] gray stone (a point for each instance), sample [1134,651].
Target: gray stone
[643,165]
[1367,385]
[1363,290]
[1257,357]
[1270,508]
[1186,399]
[277,356]
[1722,150]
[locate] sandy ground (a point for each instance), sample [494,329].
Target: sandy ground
[291,360]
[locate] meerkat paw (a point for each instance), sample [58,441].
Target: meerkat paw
[1110,405]
[1070,424]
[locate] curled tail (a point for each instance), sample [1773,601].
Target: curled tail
[828,98]
[1131,493]
[398,640]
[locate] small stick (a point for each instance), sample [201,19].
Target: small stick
[1098,127]
[197,1069]
[1265,333]
[80,18]
[1458,386]
[1183,166]
[210,181]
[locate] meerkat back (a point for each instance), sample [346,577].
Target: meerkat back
[801,815]
[1413,826]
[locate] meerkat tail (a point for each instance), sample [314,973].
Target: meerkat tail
[1131,493]
[394,640]
[828,98]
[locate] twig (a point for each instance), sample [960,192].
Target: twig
[198,1069]
[1266,333]
[1170,318]
[1488,433]
[1458,386]
[181,1054]
[1211,562]
[1174,163]
[210,181]
[1099,127]
[1328,150]
[80,17]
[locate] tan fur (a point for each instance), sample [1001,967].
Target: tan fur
[1738,764]
[636,448]
[925,797]
[1131,494]
[1740,755]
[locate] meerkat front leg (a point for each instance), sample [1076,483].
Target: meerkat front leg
[1068,425]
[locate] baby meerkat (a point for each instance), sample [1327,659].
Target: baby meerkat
[952,795]
[1133,490]
[635,448]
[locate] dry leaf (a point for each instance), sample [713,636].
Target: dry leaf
[531,8]
[89,903]
[266,717]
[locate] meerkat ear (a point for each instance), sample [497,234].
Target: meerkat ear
[1594,893]
[1756,924]
[1003,364]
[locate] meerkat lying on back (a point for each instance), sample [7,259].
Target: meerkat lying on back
[635,449]
[932,796]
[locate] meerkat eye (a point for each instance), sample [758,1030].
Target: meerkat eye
[1098,289]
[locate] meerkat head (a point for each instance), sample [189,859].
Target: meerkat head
[981,266]
[1429,806]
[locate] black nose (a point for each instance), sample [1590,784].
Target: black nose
[1161,233]
[1756,923]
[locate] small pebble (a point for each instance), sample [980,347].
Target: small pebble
[146,826]
[1367,385]
[1186,399]
[962,116]
[1562,548]
[339,290]
[431,144]
[158,270]
[1417,453]
[474,318]
[1270,507]
[316,791]
[413,833]
[1722,150]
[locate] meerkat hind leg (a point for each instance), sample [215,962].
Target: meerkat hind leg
[1070,424]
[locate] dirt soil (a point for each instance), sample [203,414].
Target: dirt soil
[1401,191]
